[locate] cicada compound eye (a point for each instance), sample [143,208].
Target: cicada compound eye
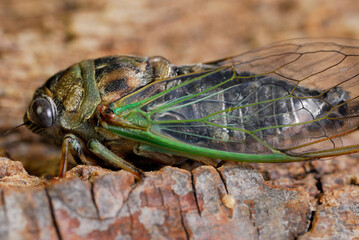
[43,112]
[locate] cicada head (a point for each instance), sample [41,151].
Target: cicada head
[64,103]
[42,115]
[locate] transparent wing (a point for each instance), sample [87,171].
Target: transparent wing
[299,97]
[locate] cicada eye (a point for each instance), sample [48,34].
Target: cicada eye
[43,112]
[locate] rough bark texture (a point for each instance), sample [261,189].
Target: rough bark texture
[232,202]
[311,200]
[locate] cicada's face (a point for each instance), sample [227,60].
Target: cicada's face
[42,115]
[41,118]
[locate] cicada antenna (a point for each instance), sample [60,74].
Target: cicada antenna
[11,129]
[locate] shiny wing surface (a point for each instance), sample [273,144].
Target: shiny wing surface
[299,97]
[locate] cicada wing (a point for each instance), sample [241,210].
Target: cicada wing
[298,98]
[313,63]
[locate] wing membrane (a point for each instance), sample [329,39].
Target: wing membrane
[298,97]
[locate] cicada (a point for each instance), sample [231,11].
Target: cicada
[290,101]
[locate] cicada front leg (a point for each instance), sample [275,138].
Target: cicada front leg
[72,144]
[111,158]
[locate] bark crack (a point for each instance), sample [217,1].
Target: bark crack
[166,207]
[228,211]
[223,180]
[183,224]
[159,189]
[125,200]
[53,217]
[94,200]
[74,210]
[125,204]
[311,220]
[319,186]
[312,216]
[181,215]
[195,195]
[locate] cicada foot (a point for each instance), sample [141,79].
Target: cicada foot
[72,144]
[111,158]
[51,180]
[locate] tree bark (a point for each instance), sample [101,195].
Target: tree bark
[232,202]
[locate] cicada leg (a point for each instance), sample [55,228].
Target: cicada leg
[75,146]
[111,158]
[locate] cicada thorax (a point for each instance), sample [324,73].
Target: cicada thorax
[118,76]
[79,89]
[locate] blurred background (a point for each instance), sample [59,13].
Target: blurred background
[40,37]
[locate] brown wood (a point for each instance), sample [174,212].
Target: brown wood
[232,202]
[311,200]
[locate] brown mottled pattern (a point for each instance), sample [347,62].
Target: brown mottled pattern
[118,83]
[118,76]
